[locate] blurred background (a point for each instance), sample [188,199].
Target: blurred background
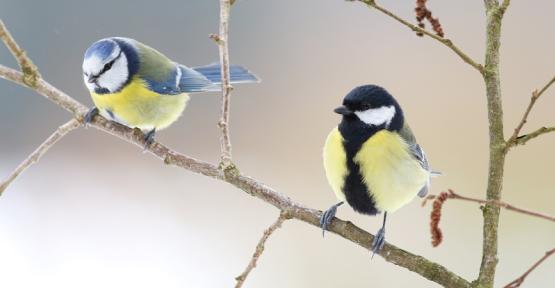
[97,212]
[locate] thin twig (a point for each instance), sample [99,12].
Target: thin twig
[260,249]
[41,150]
[222,40]
[27,66]
[535,95]
[418,264]
[517,282]
[444,41]
[521,140]
[453,195]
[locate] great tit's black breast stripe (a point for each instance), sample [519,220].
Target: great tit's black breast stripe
[356,192]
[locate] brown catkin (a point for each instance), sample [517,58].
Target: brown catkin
[435,217]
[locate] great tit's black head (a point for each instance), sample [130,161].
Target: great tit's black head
[372,105]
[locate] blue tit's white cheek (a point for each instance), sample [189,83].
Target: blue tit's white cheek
[115,77]
[377,116]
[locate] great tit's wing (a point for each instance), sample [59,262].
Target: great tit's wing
[418,154]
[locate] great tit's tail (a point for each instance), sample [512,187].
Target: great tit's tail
[239,74]
[435,173]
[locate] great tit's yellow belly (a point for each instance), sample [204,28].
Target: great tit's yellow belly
[137,106]
[390,172]
[335,163]
[381,176]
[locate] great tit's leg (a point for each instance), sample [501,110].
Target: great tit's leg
[90,115]
[149,137]
[379,239]
[327,216]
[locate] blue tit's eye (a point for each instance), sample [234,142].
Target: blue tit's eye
[108,66]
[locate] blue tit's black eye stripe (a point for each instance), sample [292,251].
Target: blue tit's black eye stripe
[108,65]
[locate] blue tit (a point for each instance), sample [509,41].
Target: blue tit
[137,86]
[371,158]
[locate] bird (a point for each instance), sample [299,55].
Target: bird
[139,87]
[372,160]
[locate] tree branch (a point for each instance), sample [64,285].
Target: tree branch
[521,140]
[535,95]
[41,150]
[418,264]
[517,282]
[452,195]
[222,41]
[30,71]
[444,41]
[260,249]
[497,150]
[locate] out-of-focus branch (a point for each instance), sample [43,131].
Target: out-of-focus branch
[444,41]
[222,41]
[515,139]
[452,195]
[418,264]
[518,281]
[260,249]
[30,71]
[37,154]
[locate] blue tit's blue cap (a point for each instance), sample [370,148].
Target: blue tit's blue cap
[102,49]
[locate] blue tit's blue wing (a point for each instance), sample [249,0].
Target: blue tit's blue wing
[238,74]
[166,85]
[193,81]
[179,80]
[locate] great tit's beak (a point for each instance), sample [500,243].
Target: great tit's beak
[343,111]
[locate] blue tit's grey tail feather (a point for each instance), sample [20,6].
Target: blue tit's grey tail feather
[239,74]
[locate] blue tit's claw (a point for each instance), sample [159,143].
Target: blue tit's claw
[379,241]
[90,116]
[328,216]
[149,138]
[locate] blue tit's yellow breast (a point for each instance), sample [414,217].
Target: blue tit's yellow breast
[137,106]
[335,162]
[390,172]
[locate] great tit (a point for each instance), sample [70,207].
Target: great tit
[137,86]
[371,158]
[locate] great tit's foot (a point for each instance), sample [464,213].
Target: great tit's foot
[90,115]
[379,241]
[149,138]
[327,216]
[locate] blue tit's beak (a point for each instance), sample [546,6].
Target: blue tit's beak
[92,79]
[343,111]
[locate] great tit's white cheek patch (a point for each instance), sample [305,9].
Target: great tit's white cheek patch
[377,116]
[114,78]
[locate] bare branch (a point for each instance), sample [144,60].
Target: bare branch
[517,282]
[444,41]
[521,140]
[418,264]
[260,249]
[30,71]
[452,195]
[41,150]
[535,95]
[222,40]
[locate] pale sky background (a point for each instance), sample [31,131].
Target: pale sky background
[96,212]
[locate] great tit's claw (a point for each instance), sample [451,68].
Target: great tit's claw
[327,216]
[379,241]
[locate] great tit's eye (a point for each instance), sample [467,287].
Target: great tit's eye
[365,107]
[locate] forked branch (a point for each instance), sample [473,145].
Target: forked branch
[518,281]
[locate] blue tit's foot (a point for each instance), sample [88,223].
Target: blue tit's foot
[149,138]
[379,241]
[90,116]
[327,216]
